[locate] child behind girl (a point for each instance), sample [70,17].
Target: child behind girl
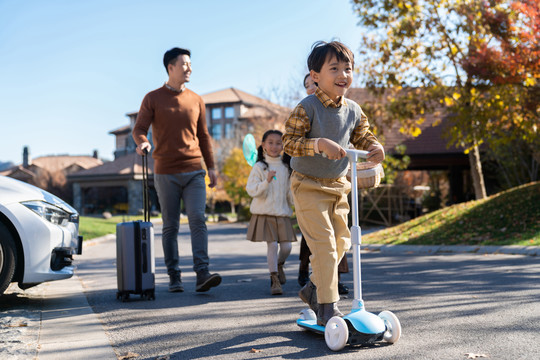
[271,208]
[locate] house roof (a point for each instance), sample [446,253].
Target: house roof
[18,172]
[55,163]
[60,162]
[128,165]
[233,96]
[121,130]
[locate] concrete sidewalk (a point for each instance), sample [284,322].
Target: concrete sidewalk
[70,329]
[52,321]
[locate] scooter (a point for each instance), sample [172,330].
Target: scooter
[359,327]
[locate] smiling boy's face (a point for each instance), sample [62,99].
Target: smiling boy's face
[334,78]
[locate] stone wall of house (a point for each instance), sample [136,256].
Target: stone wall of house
[135,197]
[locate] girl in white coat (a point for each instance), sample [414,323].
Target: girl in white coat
[271,207]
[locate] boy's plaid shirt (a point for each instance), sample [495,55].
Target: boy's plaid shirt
[298,125]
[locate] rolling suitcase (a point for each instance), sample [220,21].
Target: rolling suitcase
[135,264]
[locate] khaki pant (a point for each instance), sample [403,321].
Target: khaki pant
[321,210]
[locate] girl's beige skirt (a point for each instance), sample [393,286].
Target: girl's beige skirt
[270,228]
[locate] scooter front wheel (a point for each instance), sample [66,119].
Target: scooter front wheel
[336,333]
[393,326]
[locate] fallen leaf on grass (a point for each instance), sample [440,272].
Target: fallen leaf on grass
[129,355]
[254,351]
[475,356]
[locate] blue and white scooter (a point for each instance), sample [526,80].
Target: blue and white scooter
[359,327]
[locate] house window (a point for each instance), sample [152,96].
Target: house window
[229,112]
[228,131]
[216,131]
[216,113]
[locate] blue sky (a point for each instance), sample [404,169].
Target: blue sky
[71,70]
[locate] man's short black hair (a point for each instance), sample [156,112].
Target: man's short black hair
[321,50]
[171,56]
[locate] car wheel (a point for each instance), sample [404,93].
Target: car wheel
[8,258]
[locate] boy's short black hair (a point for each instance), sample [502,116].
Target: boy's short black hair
[321,50]
[171,56]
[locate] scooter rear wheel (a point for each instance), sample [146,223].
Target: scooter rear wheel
[393,326]
[336,333]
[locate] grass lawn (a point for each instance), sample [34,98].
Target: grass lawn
[92,227]
[510,217]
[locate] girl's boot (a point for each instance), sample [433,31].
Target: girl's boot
[275,285]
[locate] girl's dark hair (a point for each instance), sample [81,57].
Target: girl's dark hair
[305,78]
[321,50]
[260,151]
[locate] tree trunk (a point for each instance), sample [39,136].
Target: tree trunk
[476,173]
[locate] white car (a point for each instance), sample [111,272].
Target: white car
[39,234]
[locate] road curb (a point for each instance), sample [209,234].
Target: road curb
[414,249]
[453,249]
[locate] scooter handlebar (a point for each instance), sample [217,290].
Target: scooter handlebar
[353,153]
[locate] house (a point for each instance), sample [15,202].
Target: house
[51,172]
[117,186]
[232,113]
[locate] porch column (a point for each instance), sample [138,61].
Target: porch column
[77,197]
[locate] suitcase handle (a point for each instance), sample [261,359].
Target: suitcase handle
[146,204]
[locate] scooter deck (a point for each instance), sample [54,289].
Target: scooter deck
[310,325]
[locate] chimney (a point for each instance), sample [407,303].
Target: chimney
[95,155]
[26,157]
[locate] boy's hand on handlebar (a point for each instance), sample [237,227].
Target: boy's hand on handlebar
[376,153]
[332,150]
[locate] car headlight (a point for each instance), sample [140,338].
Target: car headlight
[49,212]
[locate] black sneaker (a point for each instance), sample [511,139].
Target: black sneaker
[205,280]
[303,277]
[175,282]
[342,289]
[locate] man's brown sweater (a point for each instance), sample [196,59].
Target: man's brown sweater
[179,130]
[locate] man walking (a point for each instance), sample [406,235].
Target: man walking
[181,139]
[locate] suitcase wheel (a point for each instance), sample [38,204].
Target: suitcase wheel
[122,296]
[148,295]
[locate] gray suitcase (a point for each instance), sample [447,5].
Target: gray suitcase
[135,263]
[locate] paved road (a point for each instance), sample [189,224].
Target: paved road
[449,305]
